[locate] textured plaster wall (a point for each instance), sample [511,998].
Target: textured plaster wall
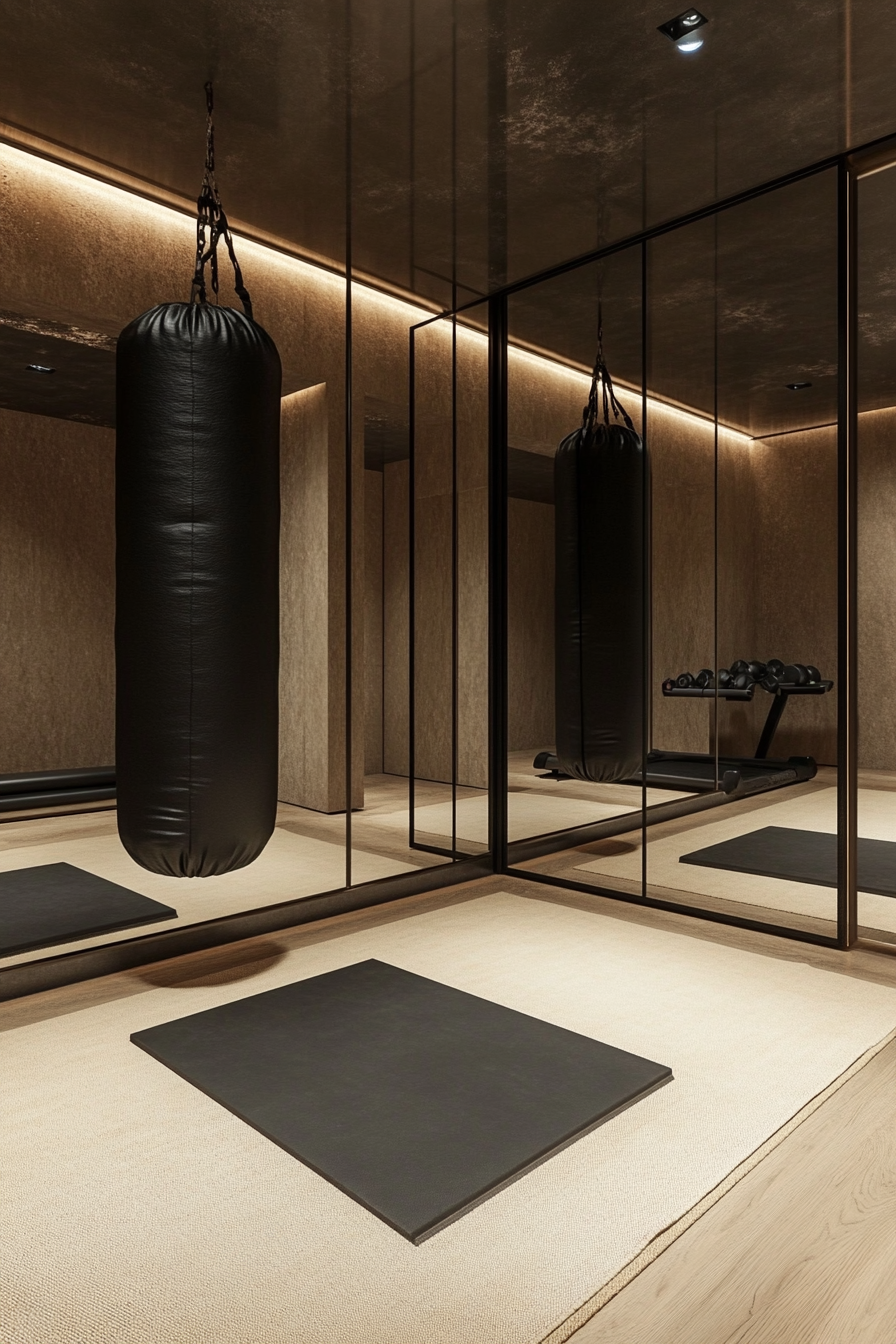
[396,603]
[783,579]
[373,622]
[877,589]
[76,251]
[57,562]
[444,572]
[530,625]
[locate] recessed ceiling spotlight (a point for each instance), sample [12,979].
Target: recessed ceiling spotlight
[682,30]
[38,368]
[797,387]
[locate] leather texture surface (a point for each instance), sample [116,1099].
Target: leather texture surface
[197,600]
[601,481]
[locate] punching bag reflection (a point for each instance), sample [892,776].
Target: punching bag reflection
[600,499]
[197,570]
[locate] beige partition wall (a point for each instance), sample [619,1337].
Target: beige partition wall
[57,562]
[312,623]
[877,590]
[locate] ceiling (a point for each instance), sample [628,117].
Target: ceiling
[478,141]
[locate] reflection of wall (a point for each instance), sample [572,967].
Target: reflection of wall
[877,590]
[312,630]
[373,622]
[776,546]
[57,560]
[444,460]
[776,597]
[396,477]
[530,625]
[784,574]
[681,456]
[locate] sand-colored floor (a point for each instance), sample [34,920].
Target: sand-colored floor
[138,1211]
[812,808]
[306,856]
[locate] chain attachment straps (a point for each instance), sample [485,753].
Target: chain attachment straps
[212,226]
[601,374]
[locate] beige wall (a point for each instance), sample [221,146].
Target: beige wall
[530,625]
[777,572]
[396,600]
[786,572]
[434,579]
[877,590]
[373,622]
[57,568]
[777,578]
[312,623]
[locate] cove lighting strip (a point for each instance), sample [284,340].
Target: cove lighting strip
[114,188]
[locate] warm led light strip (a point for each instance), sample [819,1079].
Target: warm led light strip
[121,190]
[654,403]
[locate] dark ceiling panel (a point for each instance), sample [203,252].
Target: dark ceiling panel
[386,435]
[81,385]
[491,137]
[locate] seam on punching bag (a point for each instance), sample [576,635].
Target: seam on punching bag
[192,589]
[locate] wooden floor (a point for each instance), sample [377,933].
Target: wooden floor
[803,1249]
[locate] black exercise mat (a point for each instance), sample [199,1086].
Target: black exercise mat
[800,856]
[417,1100]
[58,903]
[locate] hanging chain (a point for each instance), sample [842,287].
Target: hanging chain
[601,374]
[211,224]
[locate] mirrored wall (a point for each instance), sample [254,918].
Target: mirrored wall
[378,612]
[726,340]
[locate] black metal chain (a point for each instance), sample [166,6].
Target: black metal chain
[211,224]
[601,374]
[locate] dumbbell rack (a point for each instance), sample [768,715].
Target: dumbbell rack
[780,696]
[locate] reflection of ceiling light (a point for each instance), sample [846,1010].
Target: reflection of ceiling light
[797,387]
[683,30]
[38,368]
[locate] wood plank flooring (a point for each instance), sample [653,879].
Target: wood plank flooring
[801,1251]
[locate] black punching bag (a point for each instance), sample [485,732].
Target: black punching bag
[197,569]
[600,498]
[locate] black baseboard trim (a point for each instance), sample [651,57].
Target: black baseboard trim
[34,977]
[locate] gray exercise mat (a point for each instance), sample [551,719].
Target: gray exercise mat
[56,903]
[800,856]
[417,1100]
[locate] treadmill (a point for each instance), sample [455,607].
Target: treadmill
[738,776]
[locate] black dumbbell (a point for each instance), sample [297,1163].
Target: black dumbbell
[684,680]
[770,682]
[756,669]
[703,677]
[795,674]
[739,666]
[668,685]
[743,681]
[775,666]
[724,677]
[814,674]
